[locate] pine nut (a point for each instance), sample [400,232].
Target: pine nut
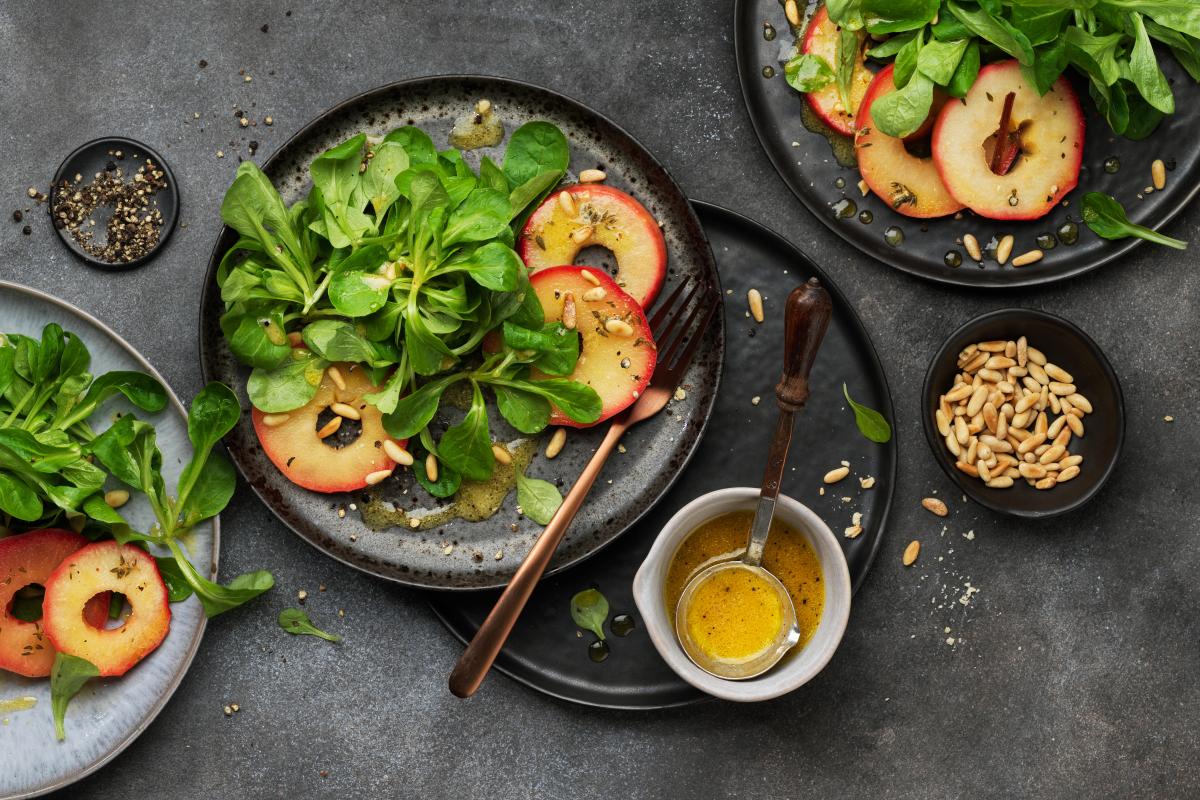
[345,410]
[1010,349]
[567,203]
[1032,471]
[618,327]
[1158,174]
[967,469]
[1038,374]
[960,392]
[943,422]
[1036,356]
[1042,424]
[754,299]
[335,375]
[914,547]
[595,294]
[592,176]
[483,106]
[1000,482]
[991,417]
[431,467]
[1067,474]
[1000,362]
[982,472]
[1052,455]
[501,454]
[835,475]
[275,420]
[1056,426]
[935,506]
[1057,373]
[557,440]
[977,361]
[972,245]
[972,451]
[568,312]
[395,452]
[581,235]
[1030,443]
[1004,249]
[1071,461]
[1075,424]
[952,445]
[329,428]
[1025,259]
[978,398]
[960,430]
[993,346]
[1022,351]
[793,13]
[590,277]
[377,477]
[1046,483]
[1062,389]
[116,498]
[1063,438]
[996,445]
[989,375]
[1080,402]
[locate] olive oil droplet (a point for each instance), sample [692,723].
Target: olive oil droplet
[894,236]
[1112,164]
[866,217]
[598,650]
[622,624]
[953,259]
[844,208]
[768,71]
[1046,241]
[768,31]
[840,183]
[1068,233]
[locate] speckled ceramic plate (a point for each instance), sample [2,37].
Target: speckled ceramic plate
[544,651]
[109,713]
[479,555]
[809,166]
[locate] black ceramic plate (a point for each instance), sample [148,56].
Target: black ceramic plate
[544,651]
[476,555]
[97,156]
[1064,344]
[806,162]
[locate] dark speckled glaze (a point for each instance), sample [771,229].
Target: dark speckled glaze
[657,451]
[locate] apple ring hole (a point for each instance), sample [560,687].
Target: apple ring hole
[1025,146]
[919,148]
[26,603]
[598,256]
[347,433]
[117,603]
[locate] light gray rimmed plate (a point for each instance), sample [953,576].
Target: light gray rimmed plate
[483,555]
[109,713]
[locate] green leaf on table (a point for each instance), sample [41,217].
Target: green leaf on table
[1106,217]
[589,610]
[538,499]
[296,622]
[67,677]
[871,423]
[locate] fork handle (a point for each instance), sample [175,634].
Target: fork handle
[477,659]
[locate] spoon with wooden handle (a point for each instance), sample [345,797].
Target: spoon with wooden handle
[806,318]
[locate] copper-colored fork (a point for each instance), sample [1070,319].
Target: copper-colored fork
[678,326]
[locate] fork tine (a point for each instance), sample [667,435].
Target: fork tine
[671,357]
[676,314]
[665,306]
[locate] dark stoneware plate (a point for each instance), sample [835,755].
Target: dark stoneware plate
[477,555]
[807,164]
[544,651]
[95,156]
[1069,347]
[109,713]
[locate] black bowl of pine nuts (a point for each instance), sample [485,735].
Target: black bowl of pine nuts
[1024,413]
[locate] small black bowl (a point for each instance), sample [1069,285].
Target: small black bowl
[1064,344]
[95,156]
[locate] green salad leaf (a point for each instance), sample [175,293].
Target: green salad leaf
[67,677]
[589,610]
[870,422]
[297,623]
[1106,217]
[538,499]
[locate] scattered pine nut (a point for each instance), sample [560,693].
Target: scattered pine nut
[116,498]
[377,477]
[275,420]
[335,375]
[852,532]
[1158,172]
[864,188]
[935,506]
[501,454]
[431,467]
[793,13]
[1025,259]
[1004,249]
[590,277]
[595,294]
[568,313]
[972,246]
[835,475]
[329,428]
[483,106]
[592,176]
[395,452]
[618,327]
[867,482]
[911,552]
[345,410]
[567,202]
[581,235]
[555,445]
[754,298]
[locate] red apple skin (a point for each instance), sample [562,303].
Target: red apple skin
[820,39]
[619,223]
[107,567]
[889,169]
[600,354]
[306,460]
[30,558]
[1052,148]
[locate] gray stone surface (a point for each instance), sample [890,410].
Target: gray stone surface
[1076,673]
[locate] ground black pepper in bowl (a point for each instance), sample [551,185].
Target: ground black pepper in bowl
[135,223]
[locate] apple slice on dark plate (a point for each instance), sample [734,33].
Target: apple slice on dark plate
[813,153]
